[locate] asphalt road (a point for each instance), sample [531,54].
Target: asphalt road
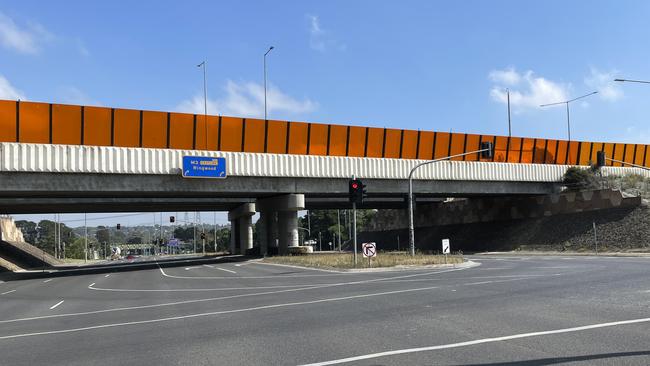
[506,311]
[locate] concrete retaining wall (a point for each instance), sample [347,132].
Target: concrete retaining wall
[465,211]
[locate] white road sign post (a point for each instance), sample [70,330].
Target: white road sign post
[445,248]
[369,251]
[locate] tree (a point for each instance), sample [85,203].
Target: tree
[102,234]
[325,222]
[46,235]
[28,228]
[184,233]
[134,240]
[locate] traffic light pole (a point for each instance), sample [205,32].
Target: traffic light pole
[410,196]
[354,231]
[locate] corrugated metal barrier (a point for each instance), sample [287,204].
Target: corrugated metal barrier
[20,157]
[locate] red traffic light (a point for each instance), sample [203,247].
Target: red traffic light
[355,185]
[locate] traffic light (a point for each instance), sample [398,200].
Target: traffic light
[488,150]
[119,226]
[600,159]
[172,219]
[357,191]
[202,236]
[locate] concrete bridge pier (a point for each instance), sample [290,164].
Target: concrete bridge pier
[287,207]
[241,228]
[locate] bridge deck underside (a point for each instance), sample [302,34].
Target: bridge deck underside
[64,192]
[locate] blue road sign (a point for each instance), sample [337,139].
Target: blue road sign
[204,167]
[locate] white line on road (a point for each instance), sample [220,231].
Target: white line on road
[7,292]
[208,266]
[223,297]
[46,281]
[212,313]
[91,285]
[57,304]
[225,270]
[478,341]
[107,275]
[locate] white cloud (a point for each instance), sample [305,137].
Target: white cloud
[22,39]
[528,90]
[73,95]
[81,47]
[8,91]
[246,99]
[320,39]
[604,83]
[506,77]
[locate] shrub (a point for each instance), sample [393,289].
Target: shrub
[577,179]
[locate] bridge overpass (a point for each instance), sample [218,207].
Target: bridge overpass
[63,158]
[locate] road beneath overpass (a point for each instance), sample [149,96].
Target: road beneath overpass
[589,310]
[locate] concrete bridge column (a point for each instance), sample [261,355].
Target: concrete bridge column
[245,233]
[287,207]
[241,234]
[266,223]
[233,236]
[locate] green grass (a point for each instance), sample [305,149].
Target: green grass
[346,260]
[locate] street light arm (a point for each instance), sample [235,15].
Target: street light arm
[443,159]
[584,96]
[410,197]
[552,104]
[632,81]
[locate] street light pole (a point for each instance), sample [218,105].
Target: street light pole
[86,237]
[267,52]
[410,196]
[568,119]
[205,102]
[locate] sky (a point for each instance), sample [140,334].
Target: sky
[429,65]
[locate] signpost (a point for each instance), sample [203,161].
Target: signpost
[369,251]
[445,248]
[204,167]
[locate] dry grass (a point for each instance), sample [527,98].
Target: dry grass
[346,260]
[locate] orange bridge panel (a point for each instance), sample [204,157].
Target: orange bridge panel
[338,140]
[66,124]
[154,129]
[298,138]
[34,122]
[126,128]
[7,121]
[97,126]
[317,139]
[276,138]
[375,146]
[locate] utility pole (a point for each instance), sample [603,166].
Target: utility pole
[509,125]
[86,238]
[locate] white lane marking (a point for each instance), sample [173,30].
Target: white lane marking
[198,289]
[478,341]
[107,275]
[46,281]
[91,285]
[208,266]
[244,264]
[8,292]
[263,307]
[57,304]
[383,280]
[219,298]
[333,273]
[225,270]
